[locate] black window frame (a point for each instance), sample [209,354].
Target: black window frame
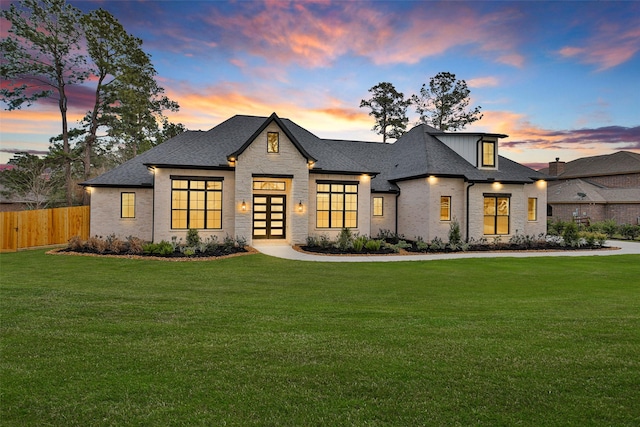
[189,190]
[493,154]
[277,150]
[122,204]
[344,204]
[497,196]
[381,206]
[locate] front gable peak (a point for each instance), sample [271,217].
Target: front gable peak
[273,118]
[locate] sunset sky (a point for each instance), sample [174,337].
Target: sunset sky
[562,79]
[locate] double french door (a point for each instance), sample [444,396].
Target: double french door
[269,217]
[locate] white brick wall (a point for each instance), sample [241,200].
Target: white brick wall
[105,213]
[364,204]
[162,203]
[288,161]
[388,219]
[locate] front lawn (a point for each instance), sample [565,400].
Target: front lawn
[255,340]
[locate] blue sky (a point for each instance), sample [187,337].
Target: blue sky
[560,78]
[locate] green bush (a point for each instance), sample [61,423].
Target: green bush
[629,231]
[162,248]
[373,245]
[570,234]
[345,240]
[359,242]
[454,234]
[193,239]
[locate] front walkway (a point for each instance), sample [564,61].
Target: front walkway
[287,252]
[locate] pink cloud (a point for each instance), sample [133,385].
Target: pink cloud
[316,34]
[488,81]
[608,47]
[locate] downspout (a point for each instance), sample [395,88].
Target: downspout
[397,196]
[467,218]
[153,208]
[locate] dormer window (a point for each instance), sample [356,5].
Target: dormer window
[273,142]
[488,154]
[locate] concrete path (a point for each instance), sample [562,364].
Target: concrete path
[287,252]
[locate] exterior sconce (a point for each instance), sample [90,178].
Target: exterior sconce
[243,206]
[300,206]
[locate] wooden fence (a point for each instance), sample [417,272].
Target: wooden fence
[43,227]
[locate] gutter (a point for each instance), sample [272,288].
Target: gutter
[467,218]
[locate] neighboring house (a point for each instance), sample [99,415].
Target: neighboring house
[268,178]
[595,188]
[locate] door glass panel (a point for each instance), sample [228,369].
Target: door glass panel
[277,200]
[261,200]
[277,216]
[277,232]
[259,216]
[277,208]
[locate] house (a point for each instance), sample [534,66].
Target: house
[269,178]
[596,188]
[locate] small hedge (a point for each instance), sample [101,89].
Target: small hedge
[388,242]
[193,247]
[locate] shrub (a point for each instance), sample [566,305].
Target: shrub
[570,234]
[312,241]
[359,242]
[629,231]
[96,244]
[193,239]
[135,245]
[437,245]
[373,245]
[421,245]
[241,242]
[162,248]
[75,244]
[454,233]
[609,227]
[324,241]
[115,245]
[402,244]
[344,241]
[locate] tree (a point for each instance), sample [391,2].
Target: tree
[41,58]
[389,108]
[444,103]
[32,180]
[128,101]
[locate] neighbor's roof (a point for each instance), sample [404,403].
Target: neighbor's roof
[581,191]
[416,154]
[622,162]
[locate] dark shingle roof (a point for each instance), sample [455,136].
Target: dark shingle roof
[417,153]
[621,162]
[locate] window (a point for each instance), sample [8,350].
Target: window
[496,214]
[488,153]
[445,208]
[273,143]
[378,206]
[196,203]
[127,205]
[269,185]
[532,209]
[337,205]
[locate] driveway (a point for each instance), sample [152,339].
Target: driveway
[287,252]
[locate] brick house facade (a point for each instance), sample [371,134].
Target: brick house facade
[268,178]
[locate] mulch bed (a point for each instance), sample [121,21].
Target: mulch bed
[175,257]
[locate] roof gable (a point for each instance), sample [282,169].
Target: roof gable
[273,118]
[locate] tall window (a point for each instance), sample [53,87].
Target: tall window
[127,205]
[496,214]
[378,204]
[196,203]
[445,208]
[488,153]
[532,209]
[337,205]
[273,143]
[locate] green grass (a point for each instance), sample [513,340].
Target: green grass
[255,340]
